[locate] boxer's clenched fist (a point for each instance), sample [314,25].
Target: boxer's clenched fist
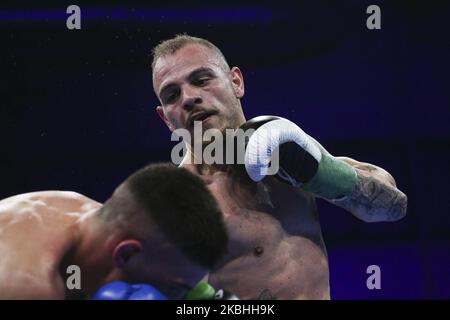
[119,290]
[301,160]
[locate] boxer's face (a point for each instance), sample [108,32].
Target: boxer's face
[156,262]
[164,267]
[192,85]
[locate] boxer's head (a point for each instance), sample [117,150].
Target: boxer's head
[162,226]
[192,80]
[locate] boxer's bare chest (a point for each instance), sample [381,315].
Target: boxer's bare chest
[263,213]
[270,225]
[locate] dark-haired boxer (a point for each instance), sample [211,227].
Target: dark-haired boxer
[276,246]
[151,231]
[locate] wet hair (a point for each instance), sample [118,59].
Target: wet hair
[184,209]
[170,46]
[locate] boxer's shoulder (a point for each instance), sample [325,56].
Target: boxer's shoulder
[46,222]
[53,198]
[48,194]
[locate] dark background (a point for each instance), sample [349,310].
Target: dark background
[77,109]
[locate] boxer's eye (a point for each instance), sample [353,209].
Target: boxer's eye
[201,82]
[170,97]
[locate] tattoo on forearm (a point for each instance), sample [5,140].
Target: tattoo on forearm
[365,167]
[373,200]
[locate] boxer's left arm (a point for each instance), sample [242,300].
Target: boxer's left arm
[376,196]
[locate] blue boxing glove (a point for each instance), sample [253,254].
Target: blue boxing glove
[119,290]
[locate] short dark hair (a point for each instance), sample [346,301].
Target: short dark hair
[182,206]
[170,46]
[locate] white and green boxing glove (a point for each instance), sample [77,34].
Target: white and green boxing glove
[302,163]
[204,291]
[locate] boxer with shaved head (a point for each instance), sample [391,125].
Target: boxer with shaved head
[276,245]
[160,227]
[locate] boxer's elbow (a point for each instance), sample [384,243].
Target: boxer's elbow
[397,208]
[377,199]
[389,211]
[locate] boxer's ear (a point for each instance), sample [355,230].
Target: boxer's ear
[237,79]
[125,250]
[160,112]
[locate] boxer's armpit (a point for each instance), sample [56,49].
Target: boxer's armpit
[374,200]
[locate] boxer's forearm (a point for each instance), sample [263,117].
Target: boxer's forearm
[375,197]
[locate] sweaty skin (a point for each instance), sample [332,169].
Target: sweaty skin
[36,232]
[276,249]
[276,246]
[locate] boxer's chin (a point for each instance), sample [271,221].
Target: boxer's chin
[214,121]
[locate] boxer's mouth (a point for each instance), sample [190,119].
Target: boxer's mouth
[200,116]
